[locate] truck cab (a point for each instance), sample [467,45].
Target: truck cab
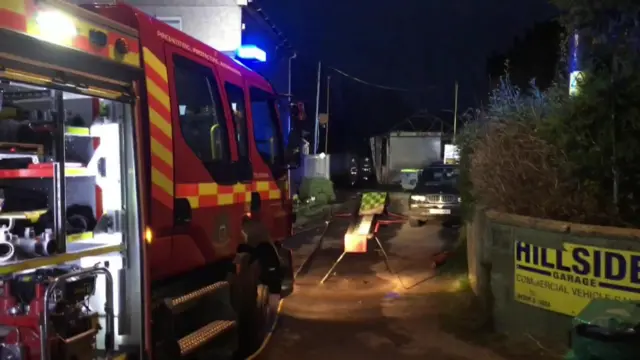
[130,155]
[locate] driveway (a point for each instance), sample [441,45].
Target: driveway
[365,312]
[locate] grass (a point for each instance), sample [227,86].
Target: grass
[463,315]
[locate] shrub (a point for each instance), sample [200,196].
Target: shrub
[510,167]
[319,190]
[599,131]
[545,154]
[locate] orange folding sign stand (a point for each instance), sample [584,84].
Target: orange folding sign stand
[358,234]
[363,229]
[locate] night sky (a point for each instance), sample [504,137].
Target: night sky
[424,45]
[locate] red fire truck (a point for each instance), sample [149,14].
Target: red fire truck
[130,157]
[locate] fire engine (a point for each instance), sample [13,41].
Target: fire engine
[130,157]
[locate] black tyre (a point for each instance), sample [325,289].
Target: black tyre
[288,275]
[252,305]
[263,311]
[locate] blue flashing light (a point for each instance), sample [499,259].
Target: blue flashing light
[251,52]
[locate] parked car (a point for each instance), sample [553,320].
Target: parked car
[436,196]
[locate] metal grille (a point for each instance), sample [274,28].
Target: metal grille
[448,199]
[433,199]
[441,199]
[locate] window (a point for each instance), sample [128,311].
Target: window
[439,174]
[235,95]
[266,133]
[173,21]
[202,119]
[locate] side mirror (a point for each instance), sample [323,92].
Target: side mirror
[293,153]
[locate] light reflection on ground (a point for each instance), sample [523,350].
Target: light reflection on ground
[364,312]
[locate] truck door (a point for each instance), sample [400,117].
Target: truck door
[237,108]
[203,155]
[270,173]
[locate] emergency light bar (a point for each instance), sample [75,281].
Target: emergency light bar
[251,52]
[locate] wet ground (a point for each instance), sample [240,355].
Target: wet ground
[365,312]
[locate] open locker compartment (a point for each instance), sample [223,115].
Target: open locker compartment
[60,171]
[65,182]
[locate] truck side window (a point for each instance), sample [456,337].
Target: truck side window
[202,120]
[235,94]
[266,129]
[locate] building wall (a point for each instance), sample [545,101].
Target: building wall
[217,23]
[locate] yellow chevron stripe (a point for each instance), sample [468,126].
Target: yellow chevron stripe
[162,152]
[152,60]
[161,123]
[157,92]
[162,181]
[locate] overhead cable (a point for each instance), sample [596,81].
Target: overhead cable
[368,83]
[284,41]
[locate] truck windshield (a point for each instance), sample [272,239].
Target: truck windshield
[439,174]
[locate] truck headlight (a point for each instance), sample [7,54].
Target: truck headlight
[418,198]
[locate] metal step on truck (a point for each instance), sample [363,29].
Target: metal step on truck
[130,156]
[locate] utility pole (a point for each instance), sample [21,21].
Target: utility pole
[289,120]
[326,126]
[455,112]
[289,95]
[316,125]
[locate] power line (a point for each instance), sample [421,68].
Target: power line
[309,60]
[368,83]
[284,42]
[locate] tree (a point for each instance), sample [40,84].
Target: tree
[573,158]
[533,56]
[600,128]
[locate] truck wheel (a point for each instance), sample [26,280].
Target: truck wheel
[252,303]
[263,312]
[415,223]
[244,295]
[288,275]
